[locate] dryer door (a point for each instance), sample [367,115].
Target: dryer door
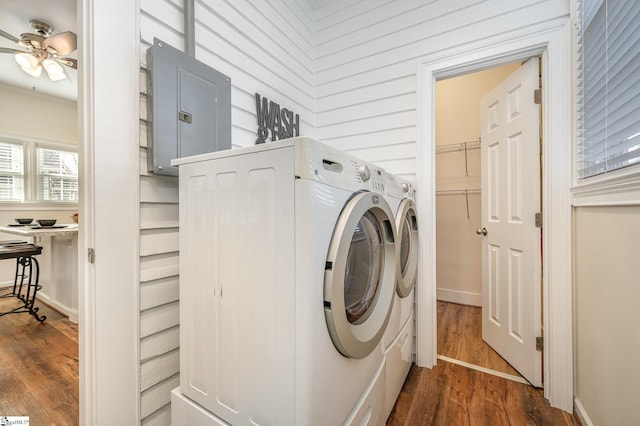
[407,226]
[360,275]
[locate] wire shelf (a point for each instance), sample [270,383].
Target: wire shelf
[465,192]
[456,147]
[458,191]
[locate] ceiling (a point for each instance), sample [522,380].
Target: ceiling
[316,4]
[14,19]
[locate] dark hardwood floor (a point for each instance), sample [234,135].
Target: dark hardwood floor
[38,366]
[453,395]
[460,337]
[39,378]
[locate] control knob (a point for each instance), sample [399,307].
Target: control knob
[364,173]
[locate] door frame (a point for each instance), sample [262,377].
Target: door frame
[552,41]
[108,129]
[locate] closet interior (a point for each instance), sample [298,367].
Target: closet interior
[458,215]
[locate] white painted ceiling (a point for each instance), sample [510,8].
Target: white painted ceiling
[316,4]
[14,19]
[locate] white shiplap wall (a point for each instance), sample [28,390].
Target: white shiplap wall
[264,47]
[159,330]
[367,52]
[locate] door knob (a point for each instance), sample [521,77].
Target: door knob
[481,231]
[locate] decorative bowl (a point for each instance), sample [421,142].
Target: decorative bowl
[23,221]
[47,222]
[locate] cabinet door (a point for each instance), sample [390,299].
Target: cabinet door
[236,288]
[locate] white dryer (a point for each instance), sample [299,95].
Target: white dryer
[287,279]
[398,339]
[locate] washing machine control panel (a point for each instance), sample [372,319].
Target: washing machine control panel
[365,173]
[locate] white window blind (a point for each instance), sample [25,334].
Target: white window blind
[608,86]
[57,175]
[11,172]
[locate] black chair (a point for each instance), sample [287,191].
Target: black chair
[25,283]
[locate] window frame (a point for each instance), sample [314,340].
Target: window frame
[30,174]
[613,188]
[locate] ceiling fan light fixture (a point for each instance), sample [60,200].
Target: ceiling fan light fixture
[57,77]
[43,50]
[33,71]
[54,70]
[29,64]
[26,60]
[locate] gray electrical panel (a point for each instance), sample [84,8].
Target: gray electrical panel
[189,109]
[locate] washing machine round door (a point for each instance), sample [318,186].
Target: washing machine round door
[360,275]
[407,226]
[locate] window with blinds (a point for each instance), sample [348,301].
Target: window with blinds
[34,172]
[57,173]
[608,86]
[11,172]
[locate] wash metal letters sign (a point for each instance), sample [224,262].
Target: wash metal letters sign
[282,123]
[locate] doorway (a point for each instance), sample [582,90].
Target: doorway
[459,190]
[553,43]
[39,123]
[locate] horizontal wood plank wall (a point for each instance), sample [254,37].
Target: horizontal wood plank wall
[265,48]
[367,57]
[159,280]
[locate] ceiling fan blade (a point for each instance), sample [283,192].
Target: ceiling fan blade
[63,43]
[31,40]
[70,62]
[9,50]
[9,36]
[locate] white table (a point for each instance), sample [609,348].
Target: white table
[58,264]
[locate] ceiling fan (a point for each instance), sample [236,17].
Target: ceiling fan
[43,50]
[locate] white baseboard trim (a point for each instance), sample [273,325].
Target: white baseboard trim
[5,284]
[460,297]
[581,413]
[63,309]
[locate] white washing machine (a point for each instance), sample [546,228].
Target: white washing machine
[398,339]
[287,278]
